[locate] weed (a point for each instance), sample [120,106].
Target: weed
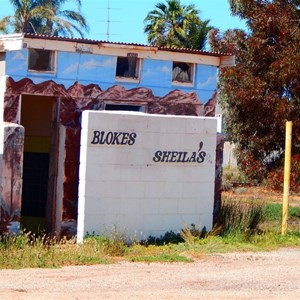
[27,250]
[114,242]
[191,235]
[243,226]
[238,216]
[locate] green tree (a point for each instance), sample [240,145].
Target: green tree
[176,25]
[44,17]
[263,90]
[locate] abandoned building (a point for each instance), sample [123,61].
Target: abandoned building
[47,82]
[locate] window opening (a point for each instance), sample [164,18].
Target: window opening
[182,72]
[128,66]
[41,60]
[124,107]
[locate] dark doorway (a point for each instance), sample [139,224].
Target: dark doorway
[37,118]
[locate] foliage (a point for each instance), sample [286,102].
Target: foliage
[243,226]
[191,235]
[27,250]
[273,212]
[44,17]
[240,217]
[169,237]
[262,91]
[275,178]
[114,242]
[232,177]
[176,25]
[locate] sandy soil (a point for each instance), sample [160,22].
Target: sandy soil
[257,192]
[272,275]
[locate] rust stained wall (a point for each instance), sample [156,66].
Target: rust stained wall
[78,98]
[11,177]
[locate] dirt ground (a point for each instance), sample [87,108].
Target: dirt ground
[272,275]
[262,193]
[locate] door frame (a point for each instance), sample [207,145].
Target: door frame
[52,223]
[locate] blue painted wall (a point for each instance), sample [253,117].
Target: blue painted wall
[100,69]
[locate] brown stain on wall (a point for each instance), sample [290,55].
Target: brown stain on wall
[78,98]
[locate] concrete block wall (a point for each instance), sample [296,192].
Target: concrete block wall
[145,174]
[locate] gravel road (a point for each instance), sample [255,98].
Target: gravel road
[267,275]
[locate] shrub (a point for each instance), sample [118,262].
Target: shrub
[254,169]
[240,217]
[169,237]
[275,178]
[232,177]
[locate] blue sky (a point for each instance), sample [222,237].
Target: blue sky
[126,17]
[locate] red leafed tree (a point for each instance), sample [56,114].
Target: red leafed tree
[262,91]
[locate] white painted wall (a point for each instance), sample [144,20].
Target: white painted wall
[122,186]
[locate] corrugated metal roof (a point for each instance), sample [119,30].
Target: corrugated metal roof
[96,42]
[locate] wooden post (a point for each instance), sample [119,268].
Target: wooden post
[287,169]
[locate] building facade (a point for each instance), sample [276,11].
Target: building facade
[45,84]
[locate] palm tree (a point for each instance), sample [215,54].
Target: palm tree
[63,22]
[176,25]
[44,17]
[197,35]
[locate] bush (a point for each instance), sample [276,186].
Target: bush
[232,177]
[275,178]
[240,217]
[169,237]
[254,169]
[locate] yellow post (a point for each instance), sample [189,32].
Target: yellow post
[287,169]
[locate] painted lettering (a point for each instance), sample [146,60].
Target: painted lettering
[193,157]
[132,137]
[180,156]
[157,156]
[165,156]
[109,138]
[174,156]
[124,140]
[96,137]
[113,138]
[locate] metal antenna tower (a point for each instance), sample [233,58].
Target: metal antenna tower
[108,20]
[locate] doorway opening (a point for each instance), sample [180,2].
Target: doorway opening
[37,116]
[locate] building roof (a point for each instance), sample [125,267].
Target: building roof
[97,42]
[18,41]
